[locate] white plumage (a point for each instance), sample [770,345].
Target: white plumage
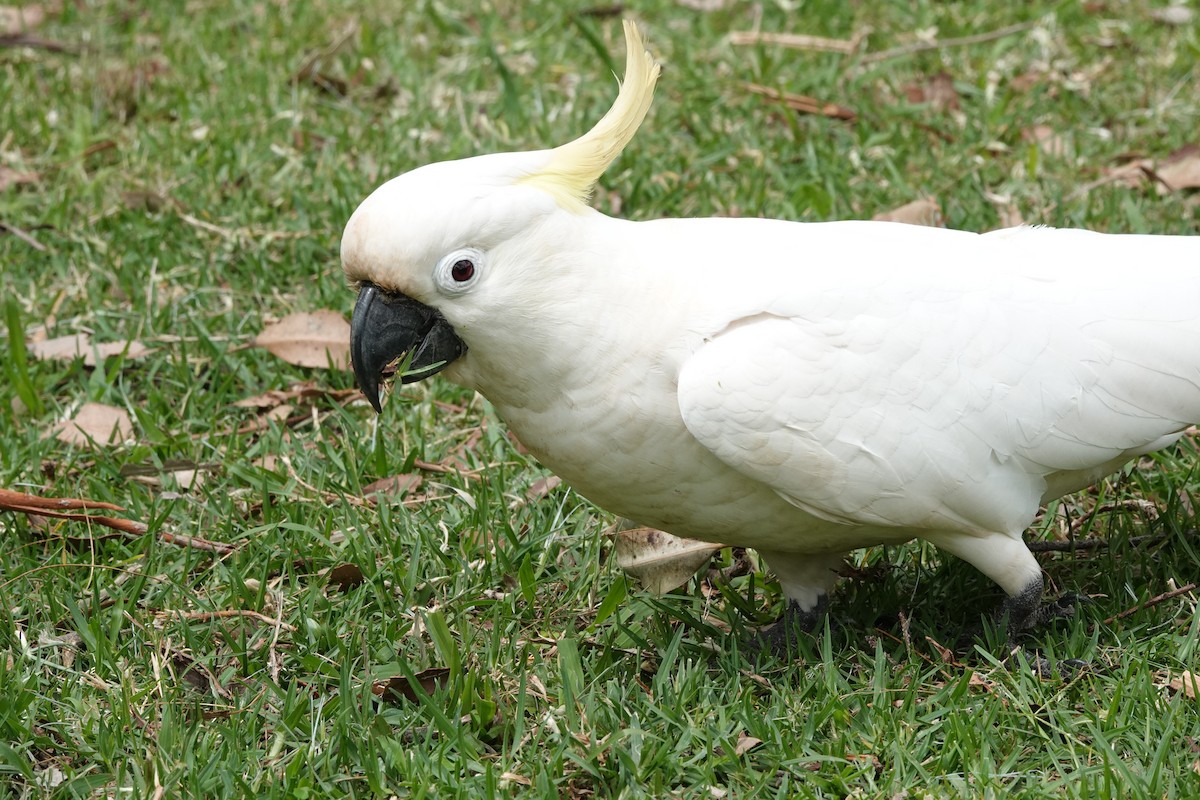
[804,389]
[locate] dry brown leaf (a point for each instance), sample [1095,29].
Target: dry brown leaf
[938,91]
[1006,210]
[1132,174]
[925,211]
[1187,683]
[304,390]
[978,680]
[309,339]
[345,576]
[1180,170]
[745,744]
[103,350]
[188,479]
[703,5]
[268,462]
[95,423]
[660,562]
[1026,81]
[9,177]
[393,485]
[80,345]
[542,487]
[145,200]
[1173,15]
[400,687]
[65,348]
[15,20]
[1048,141]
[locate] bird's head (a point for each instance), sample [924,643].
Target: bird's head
[434,251]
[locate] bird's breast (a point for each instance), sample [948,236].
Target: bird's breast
[626,449]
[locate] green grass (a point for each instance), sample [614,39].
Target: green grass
[189,189]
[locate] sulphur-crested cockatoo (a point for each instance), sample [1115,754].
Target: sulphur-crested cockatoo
[804,389]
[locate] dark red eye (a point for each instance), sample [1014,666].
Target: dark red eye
[463,270]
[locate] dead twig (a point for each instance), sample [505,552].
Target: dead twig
[942,44]
[798,41]
[35,43]
[62,508]
[802,103]
[1153,601]
[208,616]
[1090,544]
[24,236]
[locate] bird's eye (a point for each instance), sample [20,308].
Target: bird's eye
[459,270]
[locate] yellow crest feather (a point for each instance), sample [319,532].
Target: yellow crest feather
[575,166]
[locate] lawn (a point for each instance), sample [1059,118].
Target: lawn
[272,621]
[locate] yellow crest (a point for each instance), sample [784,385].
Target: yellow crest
[575,167]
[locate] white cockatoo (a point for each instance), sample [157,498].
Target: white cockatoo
[804,389]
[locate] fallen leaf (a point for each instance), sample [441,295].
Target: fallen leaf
[512,777]
[543,487]
[1006,210]
[309,69]
[305,390]
[17,20]
[104,350]
[143,200]
[1186,682]
[745,744]
[64,348]
[1133,174]
[393,485]
[978,680]
[400,687]
[80,345]
[702,5]
[309,339]
[268,462]
[660,562]
[925,211]
[188,479]
[95,423]
[1173,15]
[938,91]
[10,177]
[345,576]
[1180,170]
[1047,140]
[1026,81]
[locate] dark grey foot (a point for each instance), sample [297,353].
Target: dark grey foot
[1026,611]
[1043,667]
[781,638]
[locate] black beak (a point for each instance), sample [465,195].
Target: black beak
[388,326]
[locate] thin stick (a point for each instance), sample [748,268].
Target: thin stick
[962,41]
[33,42]
[51,507]
[1089,544]
[208,616]
[802,103]
[1153,601]
[24,236]
[19,501]
[797,41]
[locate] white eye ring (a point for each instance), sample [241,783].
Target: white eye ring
[459,270]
